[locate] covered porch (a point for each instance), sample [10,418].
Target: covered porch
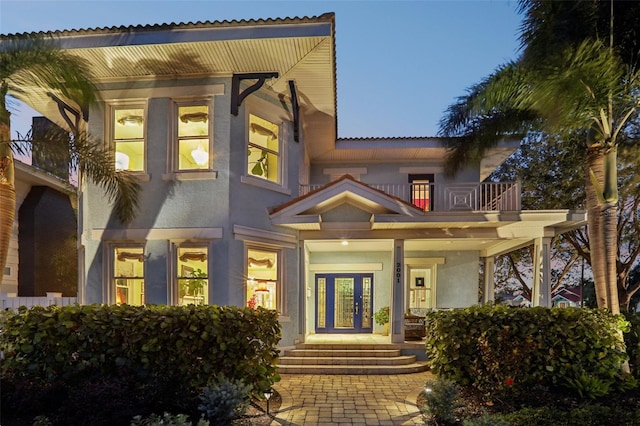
[414,259]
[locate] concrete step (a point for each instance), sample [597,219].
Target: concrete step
[356,353]
[354,369]
[338,360]
[344,358]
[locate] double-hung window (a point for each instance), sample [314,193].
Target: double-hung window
[264,154]
[127,275]
[192,275]
[128,136]
[264,277]
[194,142]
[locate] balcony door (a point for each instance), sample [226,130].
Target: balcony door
[344,303]
[421,185]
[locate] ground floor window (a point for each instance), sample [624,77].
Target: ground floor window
[193,275]
[421,288]
[264,277]
[128,274]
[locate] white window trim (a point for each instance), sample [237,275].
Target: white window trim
[281,302]
[141,176]
[173,173]
[172,288]
[276,115]
[109,247]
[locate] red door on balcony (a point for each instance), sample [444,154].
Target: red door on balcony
[421,190]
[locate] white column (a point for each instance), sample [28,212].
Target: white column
[489,281]
[541,291]
[397,293]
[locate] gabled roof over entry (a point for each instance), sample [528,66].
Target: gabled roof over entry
[349,208]
[309,211]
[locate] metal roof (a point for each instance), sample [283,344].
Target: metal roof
[299,49]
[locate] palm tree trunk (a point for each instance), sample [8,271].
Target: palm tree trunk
[595,226]
[7,184]
[610,227]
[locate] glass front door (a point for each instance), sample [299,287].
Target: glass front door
[343,303]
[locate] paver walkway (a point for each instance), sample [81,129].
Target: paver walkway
[350,399]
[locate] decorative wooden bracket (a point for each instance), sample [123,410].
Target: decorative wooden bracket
[65,109]
[296,111]
[237,97]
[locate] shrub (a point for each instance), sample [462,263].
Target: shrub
[485,420]
[224,400]
[441,400]
[166,420]
[501,350]
[166,353]
[632,341]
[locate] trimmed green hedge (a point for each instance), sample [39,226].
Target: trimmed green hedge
[181,345]
[501,350]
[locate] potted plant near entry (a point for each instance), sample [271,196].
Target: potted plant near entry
[382,318]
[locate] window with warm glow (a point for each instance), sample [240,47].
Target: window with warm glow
[128,275]
[127,135]
[263,149]
[263,273]
[193,275]
[193,138]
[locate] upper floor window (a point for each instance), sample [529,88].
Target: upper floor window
[128,137]
[194,142]
[193,275]
[127,276]
[263,151]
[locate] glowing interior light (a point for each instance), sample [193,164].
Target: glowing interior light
[122,161]
[200,156]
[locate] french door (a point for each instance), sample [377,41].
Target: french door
[344,303]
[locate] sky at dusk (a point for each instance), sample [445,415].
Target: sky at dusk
[399,63]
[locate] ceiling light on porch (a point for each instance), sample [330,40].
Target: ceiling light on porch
[345,243]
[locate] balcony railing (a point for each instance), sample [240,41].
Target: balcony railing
[479,197]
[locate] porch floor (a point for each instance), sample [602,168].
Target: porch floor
[355,339]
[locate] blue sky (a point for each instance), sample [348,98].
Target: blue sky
[399,63]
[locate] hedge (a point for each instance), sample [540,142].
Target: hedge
[182,346]
[500,349]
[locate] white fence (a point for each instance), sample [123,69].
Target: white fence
[13,303]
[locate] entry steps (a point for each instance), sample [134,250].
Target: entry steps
[347,358]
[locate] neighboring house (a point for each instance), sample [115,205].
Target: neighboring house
[249,198]
[565,298]
[43,254]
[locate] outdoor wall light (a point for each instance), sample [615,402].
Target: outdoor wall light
[345,243]
[200,156]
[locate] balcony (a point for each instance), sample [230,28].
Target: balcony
[478,197]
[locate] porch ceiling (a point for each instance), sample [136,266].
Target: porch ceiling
[473,232]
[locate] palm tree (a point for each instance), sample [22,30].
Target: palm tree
[567,81]
[27,62]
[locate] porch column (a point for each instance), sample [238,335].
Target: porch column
[489,281]
[397,293]
[541,291]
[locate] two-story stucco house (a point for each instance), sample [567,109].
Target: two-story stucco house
[250,198]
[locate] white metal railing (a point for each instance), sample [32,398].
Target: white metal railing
[13,303]
[467,196]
